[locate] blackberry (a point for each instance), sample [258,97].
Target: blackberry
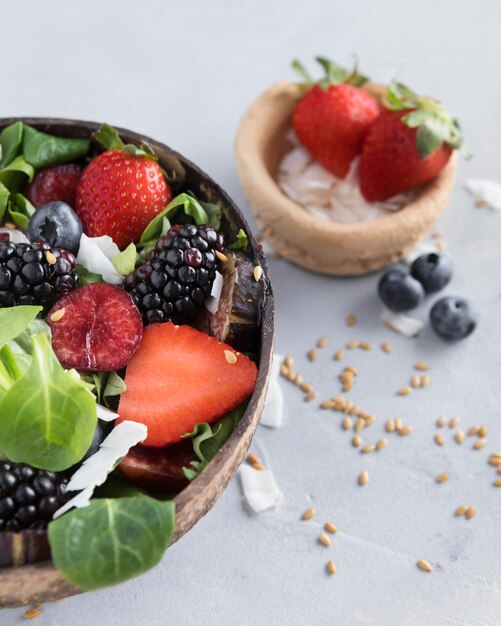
[29,497]
[177,277]
[34,274]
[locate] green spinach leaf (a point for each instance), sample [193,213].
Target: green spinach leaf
[125,262]
[191,207]
[15,175]
[114,386]
[14,320]
[11,140]
[87,277]
[241,242]
[23,341]
[21,210]
[4,200]
[111,540]
[42,150]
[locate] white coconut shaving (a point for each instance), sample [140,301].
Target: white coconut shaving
[486,192]
[327,197]
[212,302]
[15,235]
[94,471]
[272,415]
[95,254]
[105,414]
[259,488]
[401,323]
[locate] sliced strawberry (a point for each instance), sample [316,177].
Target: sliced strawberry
[100,328]
[179,377]
[55,183]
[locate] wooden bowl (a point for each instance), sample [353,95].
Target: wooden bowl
[327,247]
[41,582]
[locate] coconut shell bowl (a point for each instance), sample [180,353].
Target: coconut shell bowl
[326,247]
[27,574]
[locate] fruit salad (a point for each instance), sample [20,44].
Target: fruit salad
[130,314]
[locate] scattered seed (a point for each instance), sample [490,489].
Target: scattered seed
[473,430]
[404,391]
[499,470]
[369,447]
[258,273]
[495,460]
[353,410]
[381,444]
[324,539]
[224,259]
[351,320]
[289,361]
[422,367]
[436,234]
[479,444]
[454,422]
[497,482]
[356,440]
[331,568]
[461,510]
[470,512]
[365,345]
[330,528]
[230,356]
[322,342]
[439,440]
[442,478]
[441,421]
[339,355]
[441,245]
[424,565]
[459,436]
[405,430]
[58,315]
[308,514]
[482,431]
[390,426]
[349,369]
[363,479]
[312,354]
[347,423]
[259,467]
[416,381]
[385,347]
[51,259]
[284,370]
[310,396]
[351,345]
[32,613]
[306,387]
[359,424]
[425,381]
[252,458]
[398,423]
[327,404]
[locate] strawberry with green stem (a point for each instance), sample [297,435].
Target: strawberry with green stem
[408,145]
[334,116]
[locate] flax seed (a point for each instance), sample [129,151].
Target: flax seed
[325,539]
[312,355]
[353,410]
[222,257]
[348,386]
[331,568]
[495,461]
[470,512]
[381,444]
[385,347]
[258,273]
[461,510]
[310,396]
[441,421]
[442,478]
[58,315]
[390,426]
[327,404]
[405,430]
[51,259]
[425,381]
[479,444]
[308,514]
[356,440]
[351,320]
[306,387]
[330,528]
[349,369]
[459,436]
[439,440]
[289,362]
[259,467]
[404,391]
[497,482]
[441,245]
[347,423]
[416,381]
[230,357]
[436,234]
[365,345]
[252,458]
[359,424]
[363,479]
[424,565]
[32,613]
[322,342]
[422,367]
[339,355]
[351,345]
[454,422]
[369,447]
[398,423]
[473,430]
[482,431]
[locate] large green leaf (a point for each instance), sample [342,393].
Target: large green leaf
[4,200]
[11,140]
[111,540]
[190,206]
[42,150]
[47,417]
[22,343]
[14,320]
[16,174]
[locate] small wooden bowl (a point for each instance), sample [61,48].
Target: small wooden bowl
[327,247]
[41,582]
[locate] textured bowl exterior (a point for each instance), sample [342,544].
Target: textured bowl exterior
[326,247]
[41,582]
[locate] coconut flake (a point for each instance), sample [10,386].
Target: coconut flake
[259,488]
[94,471]
[15,235]
[273,409]
[401,323]
[486,192]
[212,302]
[95,254]
[105,414]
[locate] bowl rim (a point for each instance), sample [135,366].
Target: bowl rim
[250,419]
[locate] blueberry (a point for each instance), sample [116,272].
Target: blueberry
[399,291]
[97,440]
[57,224]
[453,318]
[433,271]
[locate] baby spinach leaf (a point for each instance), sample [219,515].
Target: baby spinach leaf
[23,341]
[125,262]
[214,214]
[21,210]
[191,207]
[47,417]
[241,242]
[114,386]
[111,540]
[11,139]
[14,320]
[15,175]
[42,150]
[4,200]
[87,277]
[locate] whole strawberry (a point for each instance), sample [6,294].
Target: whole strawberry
[120,192]
[408,145]
[334,116]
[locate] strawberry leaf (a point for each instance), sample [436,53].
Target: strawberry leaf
[109,138]
[334,74]
[427,141]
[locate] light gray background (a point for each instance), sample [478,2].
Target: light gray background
[184,72]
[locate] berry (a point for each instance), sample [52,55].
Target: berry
[433,271]
[119,194]
[178,274]
[453,318]
[180,376]
[29,497]
[54,183]
[333,118]
[57,224]
[406,148]
[100,328]
[399,291]
[35,274]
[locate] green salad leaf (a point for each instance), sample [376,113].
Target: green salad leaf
[207,439]
[21,210]
[47,417]
[214,214]
[11,141]
[125,262]
[87,277]
[4,200]
[42,150]
[241,242]
[190,205]
[22,343]
[115,385]
[15,320]
[111,540]
[17,173]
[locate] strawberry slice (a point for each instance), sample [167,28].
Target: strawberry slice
[54,183]
[179,377]
[95,328]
